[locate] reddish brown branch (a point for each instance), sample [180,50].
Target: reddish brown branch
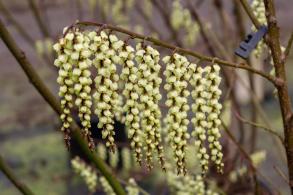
[273,40]
[179,49]
[10,175]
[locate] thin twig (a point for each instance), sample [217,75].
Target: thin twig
[181,50]
[79,9]
[245,155]
[257,125]
[37,82]
[289,45]
[253,115]
[249,11]
[148,21]
[136,186]
[43,27]
[10,175]
[240,22]
[242,151]
[22,31]
[225,26]
[217,42]
[18,27]
[281,173]
[203,30]
[239,19]
[263,116]
[165,16]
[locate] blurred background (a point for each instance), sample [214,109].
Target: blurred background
[30,140]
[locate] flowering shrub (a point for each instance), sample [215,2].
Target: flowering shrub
[90,63]
[78,51]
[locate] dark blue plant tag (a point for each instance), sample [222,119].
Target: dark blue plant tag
[250,42]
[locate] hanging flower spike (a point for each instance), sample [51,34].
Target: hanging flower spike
[149,82]
[155,68]
[131,108]
[114,159]
[106,96]
[181,19]
[64,50]
[79,50]
[126,159]
[177,17]
[199,121]
[102,151]
[258,9]
[132,188]
[82,79]
[119,112]
[117,46]
[88,173]
[213,97]
[177,75]
[187,184]
[107,188]
[143,97]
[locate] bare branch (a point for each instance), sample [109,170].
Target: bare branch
[202,28]
[23,32]
[19,28]
[271,131]
[283,92]
[245,155]
[10,175]
[280,172]
[241,149]
[249,11]
[142,13]
[43,27]
[289,45]
[165,16]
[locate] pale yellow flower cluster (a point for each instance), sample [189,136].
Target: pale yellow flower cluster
[181,19]
[149,82]
[177,76]
[82,78]
[86,172]
[198,82]
[132,188]
[131,107]
[188,184]
[122,157]
[207,108]
[258,9]
[68,58]
[81,52]
[107,188]
[214,110]
[257,158]
[106,82]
